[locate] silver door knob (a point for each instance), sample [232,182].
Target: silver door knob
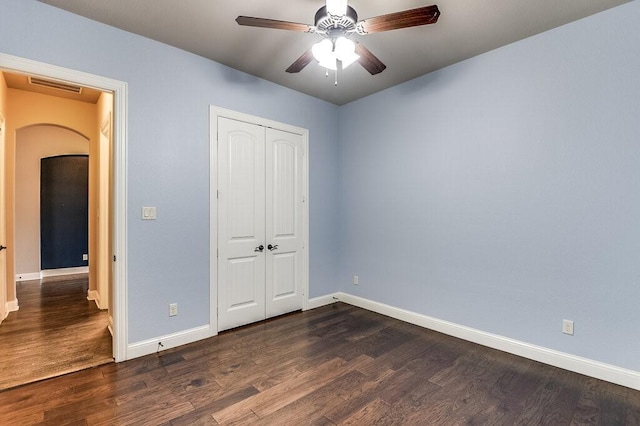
[272,247]
[259,248]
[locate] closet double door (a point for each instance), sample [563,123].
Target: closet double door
[260,222]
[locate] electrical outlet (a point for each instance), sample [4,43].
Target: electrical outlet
[85,257]
[173,309]
[356,281]
[567,327]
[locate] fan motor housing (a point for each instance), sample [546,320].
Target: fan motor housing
[327,23]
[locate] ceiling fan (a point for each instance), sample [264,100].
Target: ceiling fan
[335,23]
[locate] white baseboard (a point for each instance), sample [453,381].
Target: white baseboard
[28,276]
[12,306]
[588,367]
[317,302]
[64,271]
[51,273]
[147,347]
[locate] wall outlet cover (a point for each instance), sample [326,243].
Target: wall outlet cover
[173,309]
[567,327]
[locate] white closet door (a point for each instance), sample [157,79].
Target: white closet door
[284,227]
[241,223]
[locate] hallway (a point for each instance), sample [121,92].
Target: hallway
[55,331]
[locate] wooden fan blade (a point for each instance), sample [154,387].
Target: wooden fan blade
[393,21]
[301,62]
[368,60]
[272,23]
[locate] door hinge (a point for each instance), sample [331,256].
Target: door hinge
[304,199]
[114,257]
[218,194]
[217,253]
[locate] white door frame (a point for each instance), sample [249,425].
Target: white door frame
[214,113]
[119,88]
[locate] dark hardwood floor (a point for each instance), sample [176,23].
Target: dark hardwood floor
[333,365]
[55,331]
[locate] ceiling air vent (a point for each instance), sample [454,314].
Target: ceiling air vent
[65,87]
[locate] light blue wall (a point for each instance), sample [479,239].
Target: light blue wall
[168,152]
[503,192]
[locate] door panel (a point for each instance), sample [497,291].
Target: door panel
[284,190]
[245,301]
[241,223]
[64,211]
[284,275]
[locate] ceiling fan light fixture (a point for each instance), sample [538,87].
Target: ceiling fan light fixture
[335,22]
[337,7]
[349,59]
[329,63]
[344,46]
[328,52]
[322,50]
[324,54]
[345,51]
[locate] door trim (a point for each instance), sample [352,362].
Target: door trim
[119,90]
[214,113]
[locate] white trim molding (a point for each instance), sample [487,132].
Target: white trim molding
[588,367]
[158,344]
[119,90]
[45,273]
[317,302]
[29,276]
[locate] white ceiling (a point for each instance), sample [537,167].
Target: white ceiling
[207,27]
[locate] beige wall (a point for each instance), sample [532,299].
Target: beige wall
[103,262]
[3,95]
[3,298]
[32,144]
[26,109]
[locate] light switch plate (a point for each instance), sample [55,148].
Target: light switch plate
[148,213]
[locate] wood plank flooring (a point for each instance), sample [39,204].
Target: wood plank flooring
[335,365]
[55,331]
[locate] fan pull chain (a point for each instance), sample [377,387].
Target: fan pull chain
[326,74]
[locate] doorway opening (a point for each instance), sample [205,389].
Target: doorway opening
[104,282]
